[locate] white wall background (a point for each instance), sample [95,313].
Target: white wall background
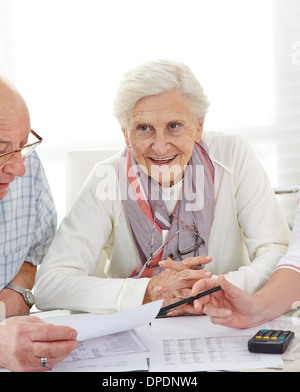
[68,56]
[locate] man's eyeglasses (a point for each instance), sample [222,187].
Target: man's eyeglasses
[178,253]
[25,151]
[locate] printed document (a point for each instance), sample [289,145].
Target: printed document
[195,344]
[123,351]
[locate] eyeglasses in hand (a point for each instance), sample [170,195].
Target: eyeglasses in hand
[178,253]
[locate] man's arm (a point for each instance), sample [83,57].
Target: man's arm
[14,302]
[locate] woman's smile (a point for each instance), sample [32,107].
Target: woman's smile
[162,161]
[162,133]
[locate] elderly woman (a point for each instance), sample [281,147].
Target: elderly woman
[173,202]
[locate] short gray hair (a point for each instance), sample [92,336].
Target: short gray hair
[157,77]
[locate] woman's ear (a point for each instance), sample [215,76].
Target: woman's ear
[126,137]
[199,131]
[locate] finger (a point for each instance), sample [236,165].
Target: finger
[194,275]
[163,294]
[192,262]
[36,366]
[215,312]
[171,264]
[203,285]
[22,320]
[54,349]
[48,332]
[182,294]
[168,301]
[182,279]
[175,285]
[184,309]
[176,296]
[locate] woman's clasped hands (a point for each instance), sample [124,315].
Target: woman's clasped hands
[176,281]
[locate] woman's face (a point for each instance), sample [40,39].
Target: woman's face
[162,132]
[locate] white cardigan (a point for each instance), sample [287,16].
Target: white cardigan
[248,237]
[292,258]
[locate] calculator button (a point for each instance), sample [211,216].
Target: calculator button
[268,334]
[277,333]
[270,341]
[284,334]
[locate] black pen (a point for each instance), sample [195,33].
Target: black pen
[189,299]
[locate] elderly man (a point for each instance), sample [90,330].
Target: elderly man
[28,224]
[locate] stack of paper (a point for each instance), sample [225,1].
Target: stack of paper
[126,341]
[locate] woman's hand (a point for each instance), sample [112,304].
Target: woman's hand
[177,280]
[230,306]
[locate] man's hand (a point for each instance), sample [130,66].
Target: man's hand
[177,280]
[24,340]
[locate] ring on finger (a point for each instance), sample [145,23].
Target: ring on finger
[43,362]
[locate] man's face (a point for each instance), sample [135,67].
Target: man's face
[14,131]
[162,132]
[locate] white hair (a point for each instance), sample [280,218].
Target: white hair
[157,77]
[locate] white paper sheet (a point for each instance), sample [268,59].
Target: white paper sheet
[91,325]
[195,344]
[123,351]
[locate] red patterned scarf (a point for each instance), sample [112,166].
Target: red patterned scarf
[148,215]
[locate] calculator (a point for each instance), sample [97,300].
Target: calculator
[270,341]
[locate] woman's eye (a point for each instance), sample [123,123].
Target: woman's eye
[174,126]
[143,128]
